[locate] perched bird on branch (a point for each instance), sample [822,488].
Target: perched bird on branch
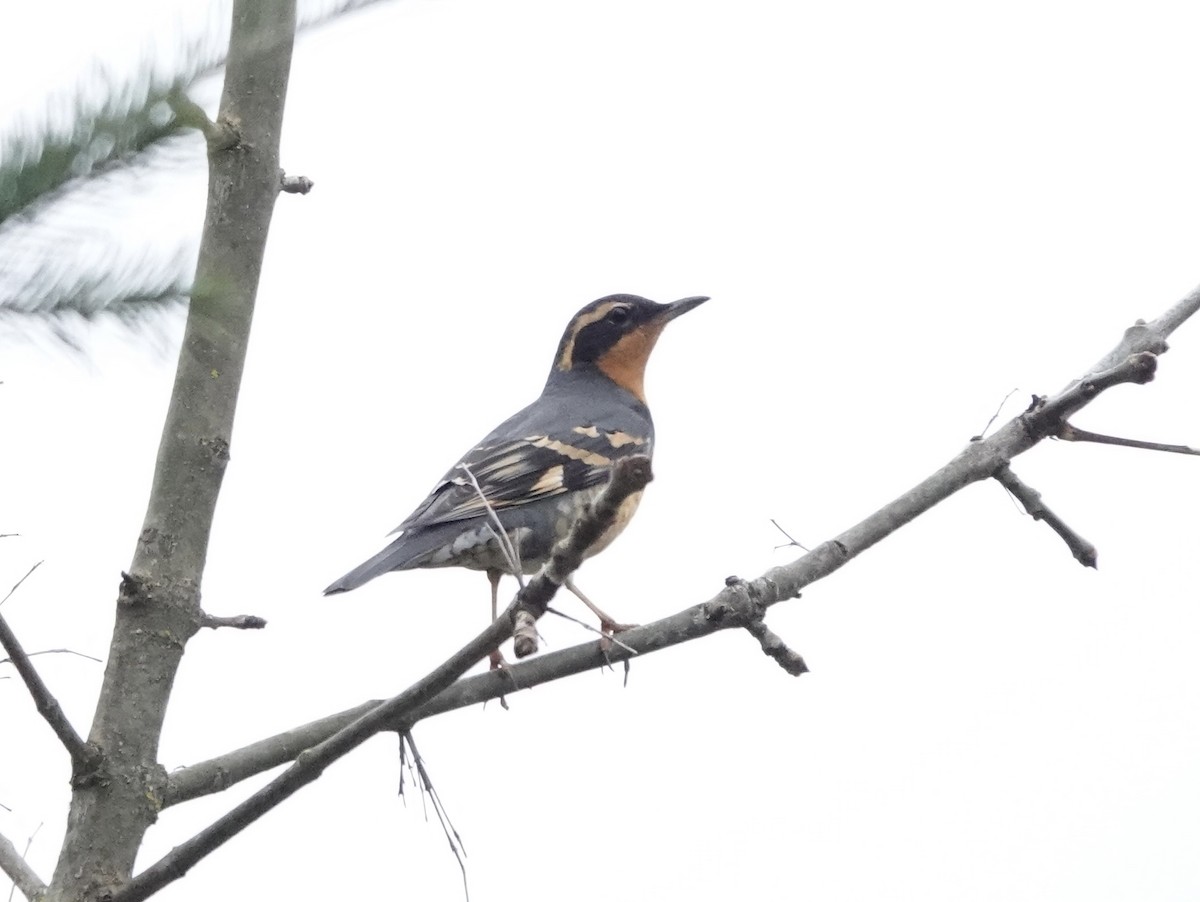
[539,468]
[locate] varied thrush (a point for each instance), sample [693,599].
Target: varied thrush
[541,467]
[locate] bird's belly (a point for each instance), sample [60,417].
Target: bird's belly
[476,548]
[624,514]
[570,508]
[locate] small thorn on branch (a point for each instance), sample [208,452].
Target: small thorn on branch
[774,647]
[240,622]
[294,184]
[1069,433]
[1083,550]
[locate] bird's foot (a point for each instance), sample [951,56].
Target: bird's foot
[608,629]
[610,626]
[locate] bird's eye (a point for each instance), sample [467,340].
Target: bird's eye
[618,316]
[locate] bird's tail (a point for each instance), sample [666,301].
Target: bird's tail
[393,557]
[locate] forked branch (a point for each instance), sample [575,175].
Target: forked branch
[84,757]
[629,476]
[19,872]
[739,604]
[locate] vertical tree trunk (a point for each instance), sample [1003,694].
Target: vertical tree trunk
[158,606]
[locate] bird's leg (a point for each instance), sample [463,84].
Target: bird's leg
[607,624]
[493,575]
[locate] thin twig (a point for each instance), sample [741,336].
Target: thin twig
[54,651]
[591,629]
[443,816]
[84,757]
[790,541]
[1069,433]
[1031,499]
[17,585]
[988,425]
[18,870]
[525,635]
[511,556]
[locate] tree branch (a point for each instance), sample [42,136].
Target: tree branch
[84,757]
[189,114]
[17,584]
[1031,499]
[629,476]
[158,603]
[1070,433]
[776,649]
[739,604]
[19,872]
[238,622]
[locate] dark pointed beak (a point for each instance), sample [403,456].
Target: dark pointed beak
[679,308]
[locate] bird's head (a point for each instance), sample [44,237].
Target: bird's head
[615,335]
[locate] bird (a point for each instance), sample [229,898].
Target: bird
[539,469]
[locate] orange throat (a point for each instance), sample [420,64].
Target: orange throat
[625,362]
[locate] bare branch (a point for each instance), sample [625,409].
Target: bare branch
[17,584]
[1069,433]
[84,757]
[1031,499]
[219,135]
[443,816]
[628,476]
[775,648]
[54,651]
[787,535]
[19,871]
[158,606]
[240,622]
[738,605]
[994,417]
[218,774]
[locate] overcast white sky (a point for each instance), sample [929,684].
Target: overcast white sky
[902,212]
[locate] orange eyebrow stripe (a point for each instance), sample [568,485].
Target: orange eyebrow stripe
[567,357]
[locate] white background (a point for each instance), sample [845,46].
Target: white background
[902,212]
